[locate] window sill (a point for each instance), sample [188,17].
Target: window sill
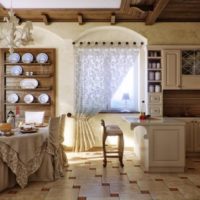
[119,112]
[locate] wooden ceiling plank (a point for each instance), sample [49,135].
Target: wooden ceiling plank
[3,11]
[45,19]
[125,4]
[153,15]
[113,19]
[80,19]
[143,8]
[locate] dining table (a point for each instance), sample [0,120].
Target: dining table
[22,153]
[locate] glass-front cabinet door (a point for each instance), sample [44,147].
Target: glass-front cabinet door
[191,62]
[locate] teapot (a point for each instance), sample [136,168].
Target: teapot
[11,118]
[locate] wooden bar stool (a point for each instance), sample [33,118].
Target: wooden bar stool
[112,130]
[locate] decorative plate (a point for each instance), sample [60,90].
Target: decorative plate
[12,98]
[28,98]
[43,98]
[30,83]
[16,70]
[42,58]
[14,58]
[41,125]
[27,58]
[28,130]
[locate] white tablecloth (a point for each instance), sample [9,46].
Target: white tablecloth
[23,153]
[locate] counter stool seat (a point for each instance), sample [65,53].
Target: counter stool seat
[112,130]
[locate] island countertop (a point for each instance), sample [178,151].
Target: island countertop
[134,121]
[159,143]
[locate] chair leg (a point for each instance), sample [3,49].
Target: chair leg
[104,150]
[121,150]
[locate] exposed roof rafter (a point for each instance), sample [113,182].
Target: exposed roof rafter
[80,19]
[45,19]
[148,11]
[153,15]
[113,19]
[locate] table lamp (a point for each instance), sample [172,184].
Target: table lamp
[125,98]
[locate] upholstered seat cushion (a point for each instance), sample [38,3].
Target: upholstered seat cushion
[113,130]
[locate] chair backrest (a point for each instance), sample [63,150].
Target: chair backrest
[103,124]
[53,141]
[34,117]
[62,128]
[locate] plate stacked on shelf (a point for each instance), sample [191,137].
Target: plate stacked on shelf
[12,98]
[43,98]
[42,58]
[14,58]
[28,98]
[30,83]
[16,70]
[27,58]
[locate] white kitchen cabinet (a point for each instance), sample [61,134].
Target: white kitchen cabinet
[155,98]
[155,110]
[192,136]
[189,134]
[154,82]
[155,104]
[171,69]
[190,64]
[159,143]
[197,136]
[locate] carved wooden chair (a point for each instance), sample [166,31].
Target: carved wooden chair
[112,130]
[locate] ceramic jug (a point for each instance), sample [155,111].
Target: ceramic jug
[11,118]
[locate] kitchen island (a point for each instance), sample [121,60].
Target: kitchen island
[159,143]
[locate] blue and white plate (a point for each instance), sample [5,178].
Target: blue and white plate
[16,70]
[14,58]
[12,98]
[27,58]
[42,58]
[43,98]
[28,98]
[29,83]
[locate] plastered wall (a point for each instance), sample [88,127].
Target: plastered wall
[61,36]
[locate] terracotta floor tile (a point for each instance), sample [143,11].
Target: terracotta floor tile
[145,192]
[82,198]
[86,178]
[173,189]
[94,191]
[114,194]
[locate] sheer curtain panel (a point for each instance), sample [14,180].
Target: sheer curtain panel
[98,73]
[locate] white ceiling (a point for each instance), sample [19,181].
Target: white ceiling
[61,3]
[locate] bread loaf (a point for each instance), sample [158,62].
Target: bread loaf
[5,127]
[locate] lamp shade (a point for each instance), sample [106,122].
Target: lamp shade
[125,96]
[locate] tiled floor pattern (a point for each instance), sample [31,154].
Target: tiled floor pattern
[86,179]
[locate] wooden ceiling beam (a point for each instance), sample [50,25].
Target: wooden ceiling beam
[125,4]
[45,19]
[113,19]
[80,19]
[127,8]
[143,8]
[153,15]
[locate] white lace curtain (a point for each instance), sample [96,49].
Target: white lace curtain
[98,73]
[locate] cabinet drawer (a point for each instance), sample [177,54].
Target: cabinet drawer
[155,110]
[155,98]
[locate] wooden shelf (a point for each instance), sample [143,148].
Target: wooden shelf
[150,69]
[28,104]
[154,87]
[21,63]
[27,89]
[155,58]
[44,73]
[154,81]
[24,76]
